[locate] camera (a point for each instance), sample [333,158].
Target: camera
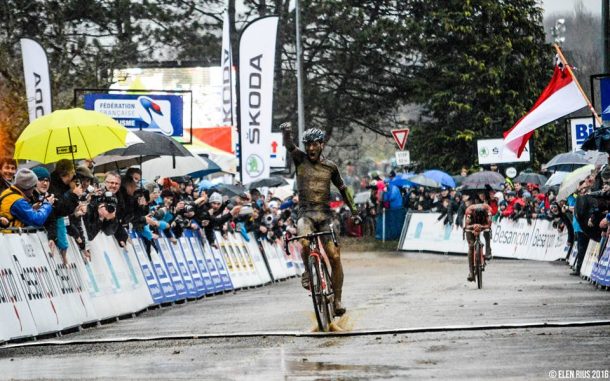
[157,213]
[182,222]
[107,198]
[87,191]
[269,220]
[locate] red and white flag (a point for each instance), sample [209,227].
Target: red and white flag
[561,97]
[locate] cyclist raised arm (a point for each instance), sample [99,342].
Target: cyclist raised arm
[314,175]
[477,217]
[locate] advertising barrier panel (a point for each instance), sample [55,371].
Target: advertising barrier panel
[236,270]
[148,271]
[172,268]
[15,313]
[259,261]
[210,286]
[191,263]
[34,275]
[214,259]
[70,282]
[240,251]
[510,239]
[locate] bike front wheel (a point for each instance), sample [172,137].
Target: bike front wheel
[318,296]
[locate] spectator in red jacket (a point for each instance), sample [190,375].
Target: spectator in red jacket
[512,200]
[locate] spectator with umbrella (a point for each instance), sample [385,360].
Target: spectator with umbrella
[565,162]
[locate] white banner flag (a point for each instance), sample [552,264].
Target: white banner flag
[226,61]
[256,69]
[37,79]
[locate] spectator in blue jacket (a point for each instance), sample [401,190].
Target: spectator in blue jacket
[15,202]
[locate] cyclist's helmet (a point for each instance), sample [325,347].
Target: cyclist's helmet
[313,135]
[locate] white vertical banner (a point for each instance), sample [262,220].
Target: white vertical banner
[37,78]
[226,61]
[256,69]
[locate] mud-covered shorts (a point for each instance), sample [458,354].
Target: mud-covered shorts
[314,222]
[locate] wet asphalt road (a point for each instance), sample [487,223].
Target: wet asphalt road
[383,291]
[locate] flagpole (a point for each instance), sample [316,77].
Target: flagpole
[565,63]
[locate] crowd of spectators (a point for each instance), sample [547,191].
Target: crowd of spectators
[71,201]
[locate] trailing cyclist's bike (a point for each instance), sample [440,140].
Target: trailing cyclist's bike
[320,283]
[479,256]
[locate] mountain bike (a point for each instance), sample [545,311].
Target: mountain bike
[479,256]
[320,283]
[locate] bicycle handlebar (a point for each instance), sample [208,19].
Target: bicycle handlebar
[331,233]
[472,230]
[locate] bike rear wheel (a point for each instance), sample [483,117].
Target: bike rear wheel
[478,265]
[320,303]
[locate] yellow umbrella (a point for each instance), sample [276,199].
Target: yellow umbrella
[69,134]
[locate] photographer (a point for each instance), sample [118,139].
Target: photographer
[185,219]
[15,206]
[269,228]
[216,216]
[102,210]
[67,192]
[85,178]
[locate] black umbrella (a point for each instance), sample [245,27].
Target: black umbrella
[270,182]
[229,190]
[105,163]
[483,180]
[566,162]
[153,144]
[531,178]
[599,140]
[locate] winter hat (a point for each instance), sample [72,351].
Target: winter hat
[41,173]
[25,179]
[84,172]
[215,197]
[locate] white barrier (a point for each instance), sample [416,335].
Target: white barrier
[217,265]
[237,243]
[191,265]
[510,239]
[16,316]
[150,277]
[116,288]
[50,313]
[591,258]
[40,295]
[71,283]
[207,285]
[295,252]
[167,256]
[257,257]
